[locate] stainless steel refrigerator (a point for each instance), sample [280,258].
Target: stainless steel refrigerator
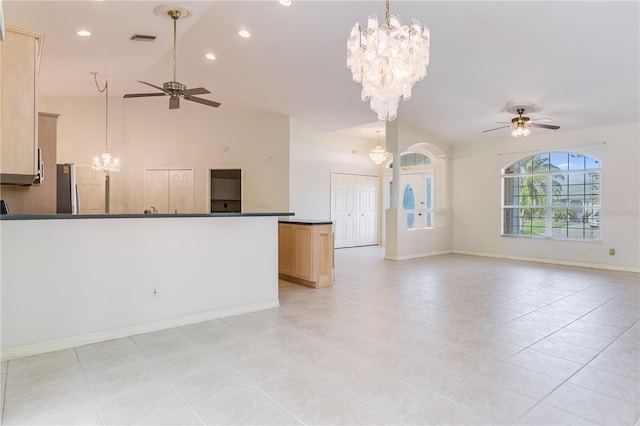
[67,193]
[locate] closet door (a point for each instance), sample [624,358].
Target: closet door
[156,190]
[169,190]
[343,190]
[354,210]
[367,211]
[181,191]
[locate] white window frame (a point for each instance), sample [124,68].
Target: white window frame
[548,206]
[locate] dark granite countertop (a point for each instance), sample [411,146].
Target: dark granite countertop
[311,222]
[132,216]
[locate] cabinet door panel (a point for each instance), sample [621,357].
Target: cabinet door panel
[18,87]
[287,243]
[304,260]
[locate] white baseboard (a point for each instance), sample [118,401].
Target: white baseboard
[116,333]
[417,255]
[551,261]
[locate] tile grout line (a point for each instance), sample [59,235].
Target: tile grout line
[84,376]
[574,374]
[164,379]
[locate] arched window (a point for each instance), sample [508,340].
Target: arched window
[552,195]
[412,159]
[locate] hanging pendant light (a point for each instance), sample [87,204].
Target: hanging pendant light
[105,163]
[378,155]
[388,60]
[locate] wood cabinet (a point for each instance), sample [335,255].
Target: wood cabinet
[19,63]
[38,199]
[305,253]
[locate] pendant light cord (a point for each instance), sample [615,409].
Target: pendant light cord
[104,90]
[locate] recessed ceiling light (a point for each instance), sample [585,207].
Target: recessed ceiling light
[210,56]
[83,33]
[285,2]
[244,33]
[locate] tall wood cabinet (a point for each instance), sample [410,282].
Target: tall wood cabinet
[38,199]
[305,252]
[19,63]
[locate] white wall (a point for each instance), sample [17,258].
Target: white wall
[144,133]
[314,154]
[477,197]
[95,277]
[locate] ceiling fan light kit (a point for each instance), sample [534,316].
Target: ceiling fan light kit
[388,60]
[521,123]
[174,89]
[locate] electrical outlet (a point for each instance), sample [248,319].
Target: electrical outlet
[612,251]
[155,294]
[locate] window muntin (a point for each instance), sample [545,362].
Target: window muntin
[553,195]
[413,159]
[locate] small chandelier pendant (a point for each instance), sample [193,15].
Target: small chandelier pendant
[378,154]
[388,60]
[106,163]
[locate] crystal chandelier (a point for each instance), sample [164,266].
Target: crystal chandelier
[378,155]
[388,60]
[105,163]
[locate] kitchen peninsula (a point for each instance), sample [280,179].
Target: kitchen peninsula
[73,280]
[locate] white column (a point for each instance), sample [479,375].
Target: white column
[392,217]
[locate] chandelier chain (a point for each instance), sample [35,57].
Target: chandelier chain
[104,90]
[108,164]
[387,12]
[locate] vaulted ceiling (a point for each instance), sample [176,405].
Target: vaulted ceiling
[578,61]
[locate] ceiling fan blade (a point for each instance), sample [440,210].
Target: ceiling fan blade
[203,101]
[142,95]
[152,85]
[174,102]
[196,91]
[491,130]
[544,126]
[540,120]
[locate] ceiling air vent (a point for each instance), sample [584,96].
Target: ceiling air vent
[142,37]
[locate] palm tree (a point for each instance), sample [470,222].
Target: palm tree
[533,189]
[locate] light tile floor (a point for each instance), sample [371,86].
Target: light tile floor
[443,340]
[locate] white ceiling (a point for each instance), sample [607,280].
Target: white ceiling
[577,60]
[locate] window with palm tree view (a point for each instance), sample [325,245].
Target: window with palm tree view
[552,195]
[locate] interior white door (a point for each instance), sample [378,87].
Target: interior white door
[90,190]
[181,191]
[354,209]
[156,190]
[343,191]
[367,210]
[169,190]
